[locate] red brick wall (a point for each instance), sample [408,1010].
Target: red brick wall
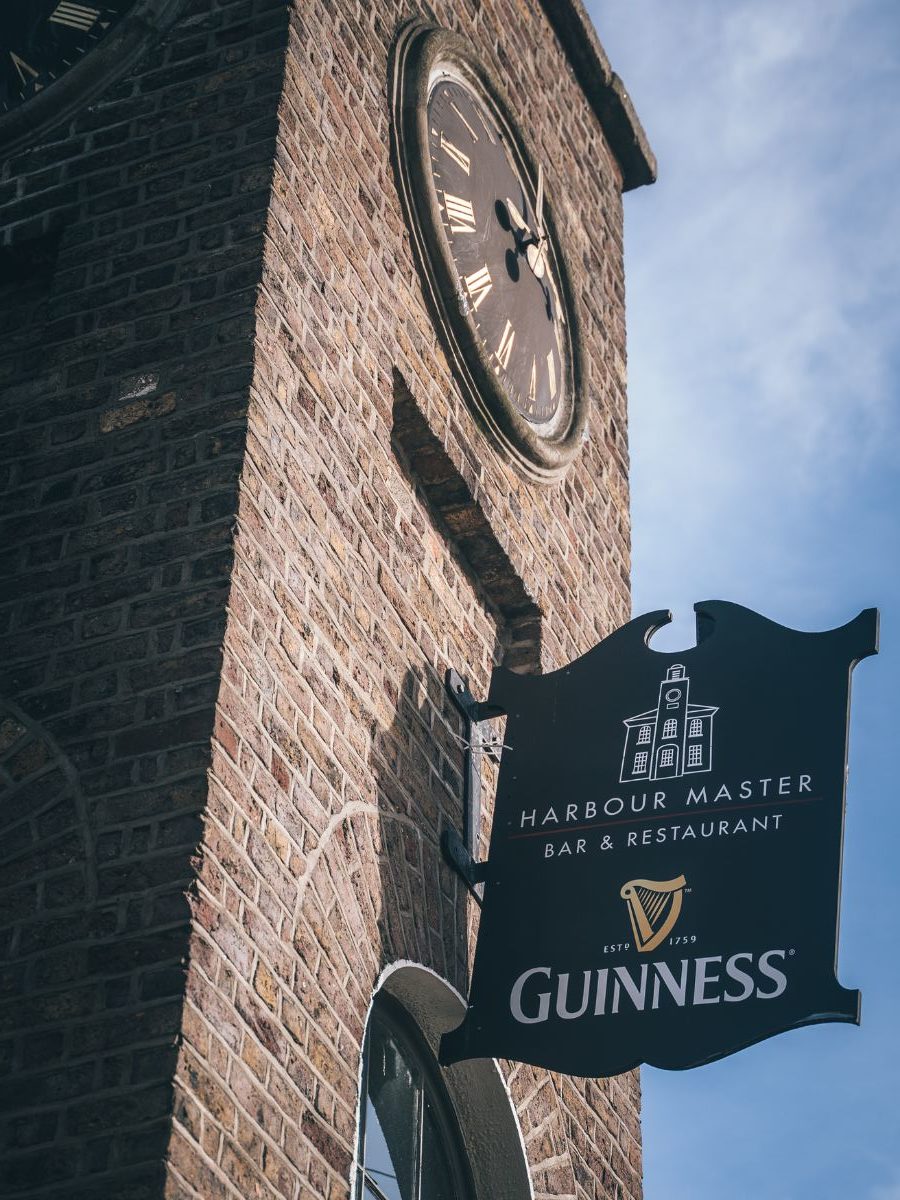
[208,314]
[130,257]
[355,585]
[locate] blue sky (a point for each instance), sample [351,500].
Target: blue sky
[763,275]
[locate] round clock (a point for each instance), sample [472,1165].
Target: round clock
[55,53]
[479,211]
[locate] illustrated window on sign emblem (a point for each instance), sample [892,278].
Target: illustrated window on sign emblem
[410,1147]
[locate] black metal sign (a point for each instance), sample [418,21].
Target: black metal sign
[663,880]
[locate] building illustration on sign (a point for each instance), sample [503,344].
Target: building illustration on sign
[671,740]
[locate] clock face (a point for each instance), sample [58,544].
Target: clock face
[504,263]
[487,251]
[41,40]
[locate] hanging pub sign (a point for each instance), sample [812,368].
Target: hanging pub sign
[663,879]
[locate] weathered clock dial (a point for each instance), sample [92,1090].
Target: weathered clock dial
[500,250]
[479,206]
[41,41]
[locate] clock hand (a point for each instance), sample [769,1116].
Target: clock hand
[535,251]
[532,245]
[534,254]
[521,225]
[539,203]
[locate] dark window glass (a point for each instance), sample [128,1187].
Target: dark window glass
[409,1146]
[437,1174]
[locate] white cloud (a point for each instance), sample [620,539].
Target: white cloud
[763,278]
[763,275]
[890,1191]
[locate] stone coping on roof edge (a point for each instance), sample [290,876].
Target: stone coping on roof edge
[605,91]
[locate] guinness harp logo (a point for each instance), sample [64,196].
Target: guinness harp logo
[653,908]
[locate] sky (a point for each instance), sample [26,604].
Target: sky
[763,293]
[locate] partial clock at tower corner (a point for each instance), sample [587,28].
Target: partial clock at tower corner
[55,55]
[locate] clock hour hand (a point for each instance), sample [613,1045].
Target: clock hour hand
[534,253]
[532,245]
[520,223]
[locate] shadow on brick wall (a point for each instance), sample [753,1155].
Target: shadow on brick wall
[70,992]
[417,762]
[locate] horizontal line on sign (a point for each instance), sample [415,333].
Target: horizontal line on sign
[687,812]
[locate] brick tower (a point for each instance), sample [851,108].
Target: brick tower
[251,517]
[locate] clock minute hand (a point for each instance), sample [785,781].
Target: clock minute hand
[535,251]
[517,219]
[539,202]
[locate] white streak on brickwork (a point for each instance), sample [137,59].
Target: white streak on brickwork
[138,385]
[348,811]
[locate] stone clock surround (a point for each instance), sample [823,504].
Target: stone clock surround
[541,453]
[210,316]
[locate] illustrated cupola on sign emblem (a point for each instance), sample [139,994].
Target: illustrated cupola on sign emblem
[671,740]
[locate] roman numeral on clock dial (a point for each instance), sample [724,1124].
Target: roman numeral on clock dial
[504,350]
[461,160]
[42,40]
[22,66]
[478,284]
[460,214]
[76,16]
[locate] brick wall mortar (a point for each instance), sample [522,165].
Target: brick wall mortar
[130,258]
[220,318]
[334,762]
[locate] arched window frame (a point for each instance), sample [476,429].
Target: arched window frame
[432,1106]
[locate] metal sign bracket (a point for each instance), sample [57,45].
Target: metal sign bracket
[459,851]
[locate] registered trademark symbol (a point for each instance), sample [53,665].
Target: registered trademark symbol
[792,952]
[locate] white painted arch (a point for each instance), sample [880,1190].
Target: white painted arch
[487,1117]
